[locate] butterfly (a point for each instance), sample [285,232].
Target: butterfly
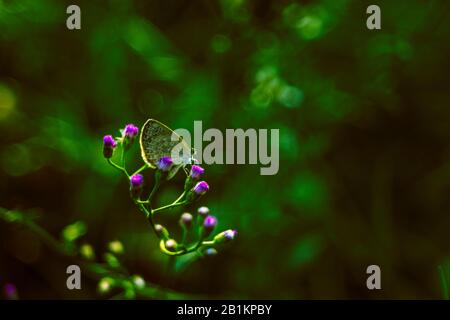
[157,140]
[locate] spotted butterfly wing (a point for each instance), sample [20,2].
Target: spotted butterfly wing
[156,142]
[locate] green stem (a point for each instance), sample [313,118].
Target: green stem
[180,197]
[122,159]
[48,239]
[155,186]
[443,282]
[149,217]
[184,251]
[184,235]
[118,167]
[172,205]
[145,166]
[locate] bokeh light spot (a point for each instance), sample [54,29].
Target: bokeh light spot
[220,43]
[7,102]
[309,27]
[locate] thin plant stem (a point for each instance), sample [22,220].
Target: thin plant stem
[118,167]
[180,197]
[184,250]
[145,166]
[149,217]
[172,205]
[48,239]
[184,235]
[155,187]
[122,158]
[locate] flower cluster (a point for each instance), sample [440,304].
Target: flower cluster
[197,228]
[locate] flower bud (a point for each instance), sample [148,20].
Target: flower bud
[164,164]
[210,252]
[129,133]
[201,188]
[230,234]
[136,185]
[171,245]
[196,171]
[161,232]
[225,236]
[109,144]
[203,211]
[186,220]
[198,190]
[208,225]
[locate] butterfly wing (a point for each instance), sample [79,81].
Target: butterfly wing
[156,142]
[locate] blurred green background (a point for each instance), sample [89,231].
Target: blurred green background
[364,125]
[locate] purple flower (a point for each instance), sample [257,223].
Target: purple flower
[128,135]
[109,144]
[186,220]
[208,225]
[137,180]
[136,184]
[196,171]
[201,188]
[108,141]
[130,131]
[164,164]
[230,234]
[203,211]
[210,222]
[226,236]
